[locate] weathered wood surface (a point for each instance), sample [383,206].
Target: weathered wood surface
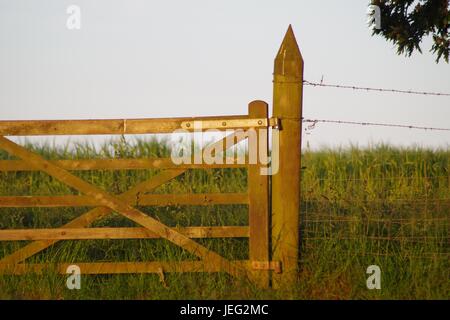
[287,106]
[124,267]
[258,190]
[124,126]
[202,199]
[118,233]
[117,164]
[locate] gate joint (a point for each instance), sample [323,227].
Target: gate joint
[267,265]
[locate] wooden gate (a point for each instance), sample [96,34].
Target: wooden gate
[271,248]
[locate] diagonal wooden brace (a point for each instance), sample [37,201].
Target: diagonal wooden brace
[116,204]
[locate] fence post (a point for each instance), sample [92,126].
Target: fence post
[258,191]
[287,106]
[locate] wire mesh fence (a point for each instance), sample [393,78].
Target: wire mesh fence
[401,216]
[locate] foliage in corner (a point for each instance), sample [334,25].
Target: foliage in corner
[406,22]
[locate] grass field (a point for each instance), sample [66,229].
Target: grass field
[380,205]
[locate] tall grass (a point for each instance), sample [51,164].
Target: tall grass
[380,205]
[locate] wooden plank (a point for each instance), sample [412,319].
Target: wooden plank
[122,126]
[287,106]
[258,190]
[118,233]
[201,199]
[98,213]
[116,204]
[116,164]
[121,267]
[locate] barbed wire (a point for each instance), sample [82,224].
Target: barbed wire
[325,200]
[404,221]
[404,126]
[339,86]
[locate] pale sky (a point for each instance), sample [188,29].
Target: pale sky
[146,59]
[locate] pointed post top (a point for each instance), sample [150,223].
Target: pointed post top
[289,61]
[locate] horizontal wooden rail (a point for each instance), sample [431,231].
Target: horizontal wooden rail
[122,267]
[118,233]
[126,126]
[117,164]
[200,199]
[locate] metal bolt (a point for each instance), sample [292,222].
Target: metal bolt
[260,122]
[224,123]
[188,124]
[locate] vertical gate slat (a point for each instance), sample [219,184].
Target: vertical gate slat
[258,190]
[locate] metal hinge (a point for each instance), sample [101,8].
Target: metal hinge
[231,124]
[274,123]
[267,265]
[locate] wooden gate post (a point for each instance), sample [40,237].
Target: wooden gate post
[287,107]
